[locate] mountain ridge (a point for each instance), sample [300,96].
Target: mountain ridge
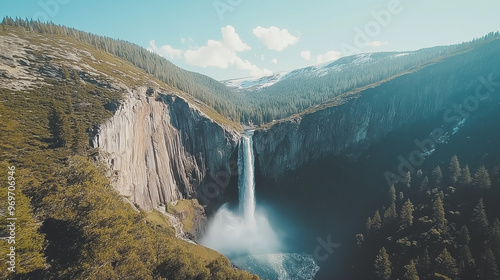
[290,95]
[251,84]
[354,93]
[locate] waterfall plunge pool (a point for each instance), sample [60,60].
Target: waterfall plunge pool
[247,238]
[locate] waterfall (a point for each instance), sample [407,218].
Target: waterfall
[246,183]
[247,238]
[247,231]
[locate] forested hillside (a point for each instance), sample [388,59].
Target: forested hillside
[313,85]
[310,92]
[438,225]
[71,223]
[290,96]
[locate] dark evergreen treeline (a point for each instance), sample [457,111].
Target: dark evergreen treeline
[281,100]
[442,225]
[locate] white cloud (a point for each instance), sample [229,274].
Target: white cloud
[223,54]
[306,55]
[166,51]
[377,43]
[274,38]
[232,40]
[274,61]
[328,56]
[214,53]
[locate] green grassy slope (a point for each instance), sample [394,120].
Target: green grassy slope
[71,223]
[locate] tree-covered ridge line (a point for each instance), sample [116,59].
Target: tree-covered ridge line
[444,54]
[198,86]
[442,225]
[72,223]
[310,91]
[293,96]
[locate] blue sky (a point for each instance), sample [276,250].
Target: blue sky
[239,38]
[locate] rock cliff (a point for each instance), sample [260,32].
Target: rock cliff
[364,117]
[162,148]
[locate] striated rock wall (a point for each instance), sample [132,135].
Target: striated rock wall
[345,129]
[162,148]
[364,118]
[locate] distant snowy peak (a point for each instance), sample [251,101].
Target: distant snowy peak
[257,83]
[254,83]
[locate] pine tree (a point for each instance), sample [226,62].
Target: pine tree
[411,271]
[495,237]
[463,237]
[466,259]
[495,181]
[424,262]
[60,127]
[482,179]
[465,177]
[406,215]
[454,169]
[382,265]
[441,195]
[480,219]
[425,184]
[439,214]
[376,222]
[369,224]
[390,214]
[488,269]
[437,177]
[392,194]
[446,264]
[407,180]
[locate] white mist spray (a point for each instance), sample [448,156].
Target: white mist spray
[247,232]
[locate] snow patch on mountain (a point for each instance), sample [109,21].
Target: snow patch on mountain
[257,83]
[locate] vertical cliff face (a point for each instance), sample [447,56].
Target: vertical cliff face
[363,118]
[344,129]
[162,148]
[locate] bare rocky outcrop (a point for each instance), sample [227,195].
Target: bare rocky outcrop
[162,148]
